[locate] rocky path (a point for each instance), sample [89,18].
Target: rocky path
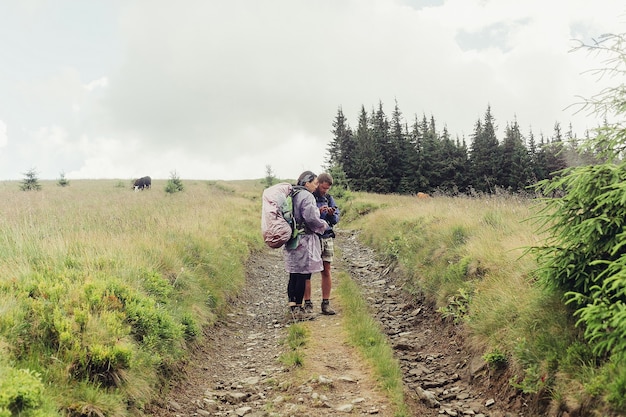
[237,371]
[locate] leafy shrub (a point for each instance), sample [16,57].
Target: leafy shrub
[585,257]
[174,184]
[496,359]
[457,307]
[157,286]
[21,391]
[191,329]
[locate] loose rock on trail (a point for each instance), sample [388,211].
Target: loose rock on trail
[237,370]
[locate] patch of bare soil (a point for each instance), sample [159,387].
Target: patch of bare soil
[237,371]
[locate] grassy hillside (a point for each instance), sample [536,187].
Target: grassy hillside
[469,256]
[102,289]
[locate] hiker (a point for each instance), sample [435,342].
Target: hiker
[306,258]
[330,213]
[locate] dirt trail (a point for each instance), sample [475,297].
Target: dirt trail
[237,371]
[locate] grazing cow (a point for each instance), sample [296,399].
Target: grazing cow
[142,183]
[422,195]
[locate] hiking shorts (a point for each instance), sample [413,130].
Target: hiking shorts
[328,249]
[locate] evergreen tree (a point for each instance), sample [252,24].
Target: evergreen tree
[270,178]
[381,153]
[554,158]
[62,182]
[484,155]
[429,156]
[363,154]
[533,154]
[462,180]
[342,148]
[452,164]
[30,181]
[417,181]
[174,184]
[399,152]
[515,171]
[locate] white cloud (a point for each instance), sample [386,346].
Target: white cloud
[221,89]
[98,83]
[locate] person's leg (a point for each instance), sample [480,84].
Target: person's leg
[327,258]
[326,281]
[295,287]
[291,289]
[300,286]
[308,305]
[295,290]
[326,286]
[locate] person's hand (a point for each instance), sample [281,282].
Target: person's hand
[330,210]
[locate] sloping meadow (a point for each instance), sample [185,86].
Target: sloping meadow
[470,257]
[103,290]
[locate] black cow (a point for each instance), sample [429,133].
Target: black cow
[141,183]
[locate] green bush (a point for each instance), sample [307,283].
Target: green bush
[21,392]
[584,257]
[174,184]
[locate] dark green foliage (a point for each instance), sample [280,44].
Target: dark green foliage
[21,392]
[30,181]
[62,182]
[385,156]
[174,184]
[485,155]
[584,256]
[515,171]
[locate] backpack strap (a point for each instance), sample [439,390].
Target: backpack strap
[300,226]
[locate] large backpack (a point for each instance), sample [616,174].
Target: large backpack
[278,224]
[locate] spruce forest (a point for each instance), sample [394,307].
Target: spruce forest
[387,155]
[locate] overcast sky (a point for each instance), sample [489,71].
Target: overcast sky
[219,89]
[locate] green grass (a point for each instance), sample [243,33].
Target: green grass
[103,290]
[365,333]
[296,339]
[469,256]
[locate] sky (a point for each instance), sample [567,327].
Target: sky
[224,89]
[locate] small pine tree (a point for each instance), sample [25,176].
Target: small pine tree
[62,182]
[30,182]
[174,184]
[270,178]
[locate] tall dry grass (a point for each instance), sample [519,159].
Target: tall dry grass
[469,255]
[103,289]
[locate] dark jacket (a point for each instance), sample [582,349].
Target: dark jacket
[333,219]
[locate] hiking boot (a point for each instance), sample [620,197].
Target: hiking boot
[326,310]
[298,313]
[308,306]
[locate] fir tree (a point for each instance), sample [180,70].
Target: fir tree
[399,151]
[174,184]
[62,182]
[30,181]
[381,152]
[515,171]
[484,155]
[342,148]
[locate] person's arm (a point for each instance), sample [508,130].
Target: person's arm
[334,218]
[311,215]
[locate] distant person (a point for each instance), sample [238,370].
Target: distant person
[329,212]
[306,258]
